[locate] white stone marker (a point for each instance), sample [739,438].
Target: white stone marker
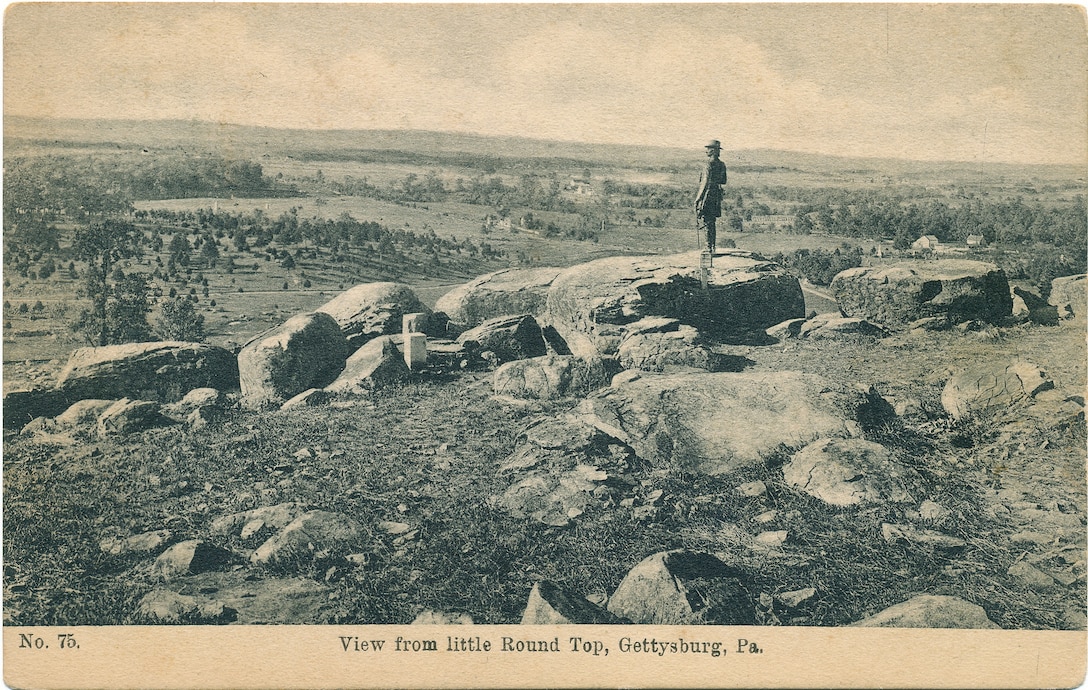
[415,343]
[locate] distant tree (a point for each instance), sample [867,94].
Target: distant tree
[209,251]
[180,250]
[102,245]
[178,320]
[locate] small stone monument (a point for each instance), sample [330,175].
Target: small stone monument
[706,262]
[415,341]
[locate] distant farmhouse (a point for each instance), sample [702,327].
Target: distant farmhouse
[926,242]
[976,241]
[773,222]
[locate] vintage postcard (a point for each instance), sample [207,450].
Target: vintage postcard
[544,345]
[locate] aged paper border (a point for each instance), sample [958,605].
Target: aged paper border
[313,657]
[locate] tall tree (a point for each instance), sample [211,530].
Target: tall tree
[102,245]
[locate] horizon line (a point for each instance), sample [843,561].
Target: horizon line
[544,141]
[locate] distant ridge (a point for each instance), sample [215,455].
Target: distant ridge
[242,141]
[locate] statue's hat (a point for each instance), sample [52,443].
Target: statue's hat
[714,144]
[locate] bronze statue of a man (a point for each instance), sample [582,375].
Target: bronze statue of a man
[708,203]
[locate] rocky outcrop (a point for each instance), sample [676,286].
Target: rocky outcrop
[162,371]
[894,295]
[378,363]
[562,467]
[1069,294]
[549,604]
[846,472]
[715,423]
[929,611]
[366,311]
[510,291]
[684,588]
[166,606]
[315,534]
[248,523]
[508,338]
[986,387]
[306,351]
[593,304]
[551,377]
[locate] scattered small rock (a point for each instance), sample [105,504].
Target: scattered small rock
[430,617]
[752,489]
[190,558]
[796,597]
[1031,576]
[549,604]
[894,533]
[684,588]
[929,611]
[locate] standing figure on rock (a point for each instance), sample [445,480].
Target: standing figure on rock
[708,202]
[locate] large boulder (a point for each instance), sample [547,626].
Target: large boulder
[551,376]
[374,365]
[191,557]
[986,387]
[509,291]
[894,295]
[366,311]
[1070,295]
[508,337]
[847,472]
[592,305]
[716,423]
[684,588]
[930,611]
[659,351]
[306,351]
[129,416]
[162,371]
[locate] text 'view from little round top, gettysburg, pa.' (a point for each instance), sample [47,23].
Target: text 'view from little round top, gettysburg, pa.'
[294,376]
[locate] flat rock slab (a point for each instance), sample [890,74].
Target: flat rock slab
[684,588]
[591,304]
[306,351]
[715,423]
[929,611]
[509,291]
[245,599]
[848,472]
[160,371]
[369,310]
[894,295]
[987,387]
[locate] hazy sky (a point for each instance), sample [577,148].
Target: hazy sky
[957,82]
